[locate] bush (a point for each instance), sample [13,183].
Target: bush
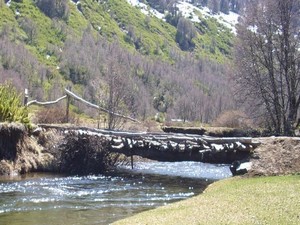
[233,119]
[11,109]
[53,115]
[54,8]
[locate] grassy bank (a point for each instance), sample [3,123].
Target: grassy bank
[262,200]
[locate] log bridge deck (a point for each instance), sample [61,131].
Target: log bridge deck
[171,146]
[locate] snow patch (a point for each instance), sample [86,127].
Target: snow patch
[191,12]
[8,3]
[228,20]
[146,9]
[188,11]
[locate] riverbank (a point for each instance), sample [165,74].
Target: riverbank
[258,200]
[276,156]
[21,152]
[51,150]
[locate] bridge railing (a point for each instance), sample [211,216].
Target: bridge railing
[70,95]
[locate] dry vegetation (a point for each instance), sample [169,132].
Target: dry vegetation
[276,156]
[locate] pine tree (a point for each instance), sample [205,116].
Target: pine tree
[224,7]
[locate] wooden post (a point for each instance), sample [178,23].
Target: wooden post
[98,120]
[67,109]
[131,158]
[68,106]
[26,97]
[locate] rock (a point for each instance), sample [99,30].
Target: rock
[240,168]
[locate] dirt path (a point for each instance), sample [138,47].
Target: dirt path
[276,156]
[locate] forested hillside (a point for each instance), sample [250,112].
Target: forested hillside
[119,57]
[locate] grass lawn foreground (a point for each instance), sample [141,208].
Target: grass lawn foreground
[258,200]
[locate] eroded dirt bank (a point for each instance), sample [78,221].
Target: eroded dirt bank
[276,156]
[51,150]
[21,152]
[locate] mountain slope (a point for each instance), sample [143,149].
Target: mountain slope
[88,44]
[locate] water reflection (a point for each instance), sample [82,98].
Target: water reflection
[101,199]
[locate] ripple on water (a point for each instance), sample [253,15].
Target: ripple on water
[101,199]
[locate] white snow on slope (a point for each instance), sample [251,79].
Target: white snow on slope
[146,9]
[228,20]
[8,3]
[190,11]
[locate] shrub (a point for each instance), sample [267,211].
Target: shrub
[53,115]
[11,109]
[54,8]
[233,119]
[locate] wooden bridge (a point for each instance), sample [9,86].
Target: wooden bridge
[170,146]
[159,146]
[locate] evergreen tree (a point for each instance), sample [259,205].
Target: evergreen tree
[224,7]
[214,6]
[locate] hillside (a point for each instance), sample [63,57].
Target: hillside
[119,56]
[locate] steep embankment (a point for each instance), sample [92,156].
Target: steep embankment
[47,150]
[276,156]
[22,153]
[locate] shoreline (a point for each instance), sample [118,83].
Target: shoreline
[232,201]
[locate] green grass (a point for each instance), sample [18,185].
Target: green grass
[263,200]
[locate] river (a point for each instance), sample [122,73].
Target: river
[43,198]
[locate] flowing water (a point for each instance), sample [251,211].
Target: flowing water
[39,199]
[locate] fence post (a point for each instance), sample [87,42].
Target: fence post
[25,97]
[68,106]
[131,159]
[98,126]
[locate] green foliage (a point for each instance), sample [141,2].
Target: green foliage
[11,109]
[215,40]
[152,33]
[185,34]
[112,20]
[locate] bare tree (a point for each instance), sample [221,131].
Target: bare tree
[214,6]
[119,88]
[267,60]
